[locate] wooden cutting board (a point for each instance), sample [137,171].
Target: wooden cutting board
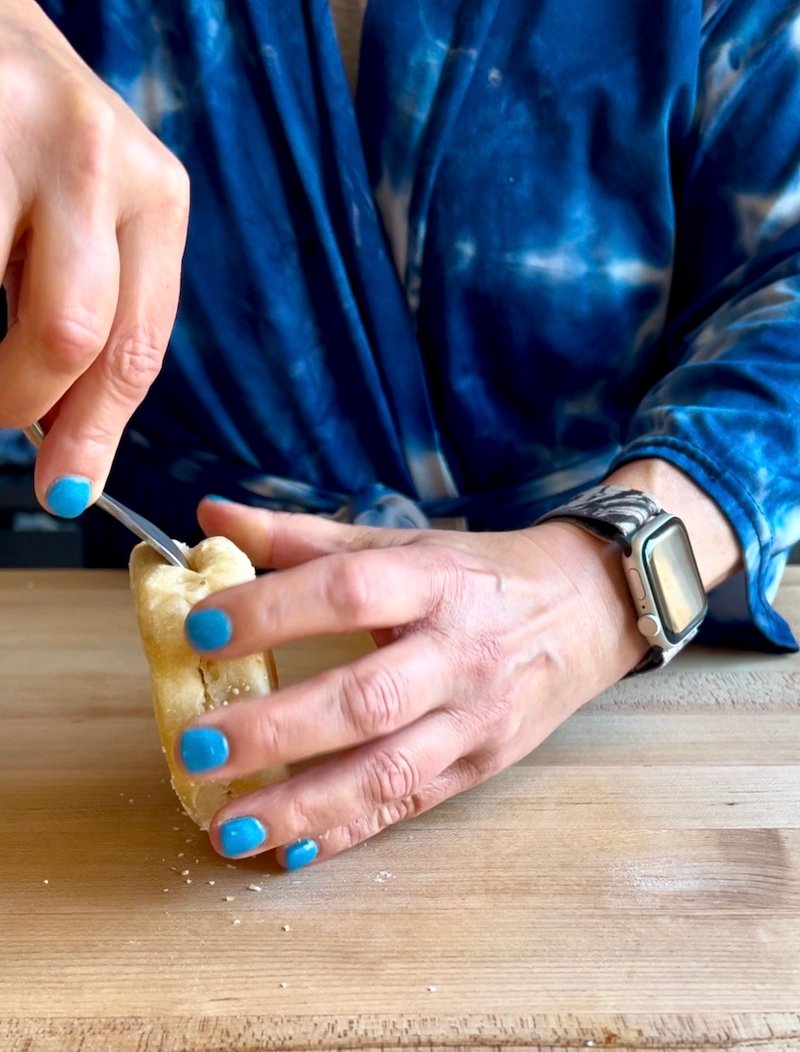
[632,884]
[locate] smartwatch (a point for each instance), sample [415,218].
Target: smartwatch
[660,568]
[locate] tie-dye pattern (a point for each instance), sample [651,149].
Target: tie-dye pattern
[550,238]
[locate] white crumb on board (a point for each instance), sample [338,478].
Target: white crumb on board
[254,887]
[383,876]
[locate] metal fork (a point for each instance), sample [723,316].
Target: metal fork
[143,528]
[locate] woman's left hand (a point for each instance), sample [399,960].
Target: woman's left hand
[485,644]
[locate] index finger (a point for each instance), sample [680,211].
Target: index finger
[346,592]
[279,539]
[84,435]
[67,298]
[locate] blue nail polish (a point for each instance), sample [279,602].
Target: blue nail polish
[301,853]
[239,835]
[203,749]
[216,497]
[69,496]
[209,629]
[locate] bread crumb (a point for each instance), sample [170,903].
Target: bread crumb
[211,882]
[229,866]
[188,880]
[285,927]
[165,889]
[229,898]
[254,887]
[236,920]
[184,872]
[130,801]
[175,829]
[431,989]
[283,985]
[180,854]
[45,882]
[383,876]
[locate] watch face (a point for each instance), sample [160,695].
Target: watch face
[675,580]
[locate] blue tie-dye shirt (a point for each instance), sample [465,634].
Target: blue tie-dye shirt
[549,237]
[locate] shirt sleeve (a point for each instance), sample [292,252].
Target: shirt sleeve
[727,410]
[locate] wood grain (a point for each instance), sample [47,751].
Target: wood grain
[631,884]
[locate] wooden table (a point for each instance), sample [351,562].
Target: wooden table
[633,884]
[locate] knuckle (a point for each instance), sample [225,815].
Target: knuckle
[372,701]
[355,832]
[447,579]
[266,732]
[300,818]
[131,365]
[483,653]
[478,767]
[174,185]
[397,811]
[391,776]
[18,82]
[348,590]
[478,654]
[498,714]
[93,126]
[71,342]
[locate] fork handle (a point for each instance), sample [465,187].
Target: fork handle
[34,433]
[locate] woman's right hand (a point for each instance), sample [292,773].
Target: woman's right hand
[93,217]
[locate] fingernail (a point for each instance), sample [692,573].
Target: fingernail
[216,497]
[203,748]
[239,835]
[69,496]
[301,853]
[209,629]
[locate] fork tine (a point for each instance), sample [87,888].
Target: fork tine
[144,529]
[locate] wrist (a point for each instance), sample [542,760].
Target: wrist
[596,573]
[715,545]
